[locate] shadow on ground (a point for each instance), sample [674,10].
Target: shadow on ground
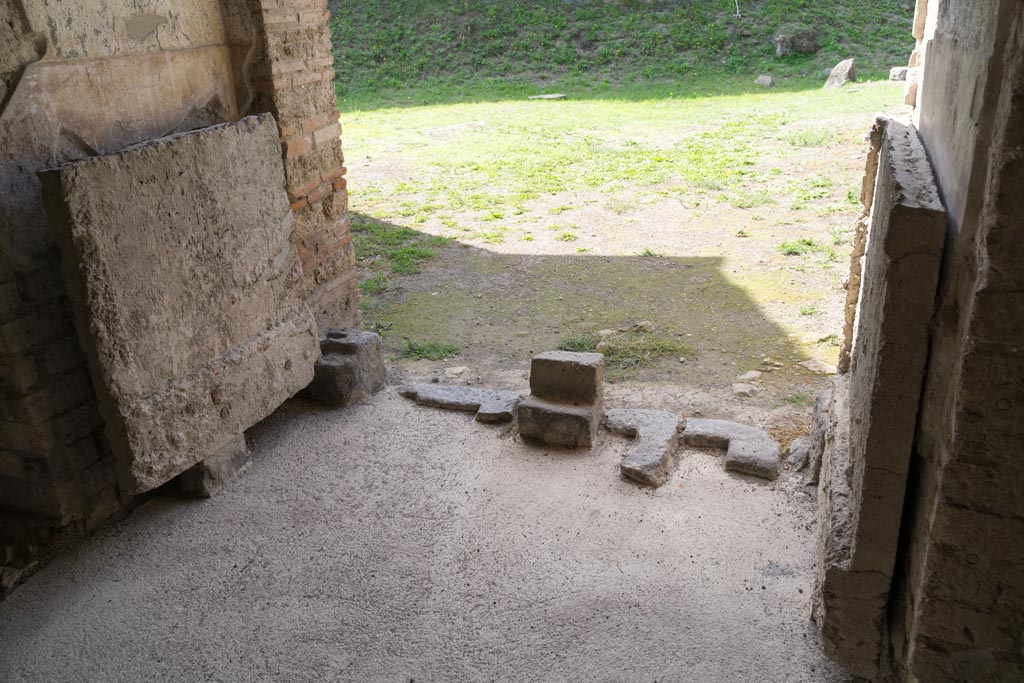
[501,309]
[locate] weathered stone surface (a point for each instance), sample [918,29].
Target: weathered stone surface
[489,405]
[350,369]
[819,434]
[805,42]
[650,460]
[860,240]
[186,291]
[751,376]
[749,450]
[898,73]
[558,424]
[209,477]
[844,72]
[864,477]
[756,457]
[799,453]
[549,96]
[764,81]
[568,377]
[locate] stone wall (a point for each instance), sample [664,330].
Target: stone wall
[954,607]
[92,77]
[959,615]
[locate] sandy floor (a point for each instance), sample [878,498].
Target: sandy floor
[397,543]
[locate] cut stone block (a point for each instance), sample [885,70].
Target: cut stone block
[186,290]
[350,369]
[748,450]
[756,457]
[489,405]
[207,478]
[862,490]
[650,460]
[558,424]
[568,377]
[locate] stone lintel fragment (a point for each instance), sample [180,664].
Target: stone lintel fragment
[350,369]
[650,460]
[489,405]
[558,424]
[748,450]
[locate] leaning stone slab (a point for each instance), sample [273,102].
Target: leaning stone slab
[748,450]
[350,369]
[186,290]
[650,460]
[489,405]
[558,424]
[863,490]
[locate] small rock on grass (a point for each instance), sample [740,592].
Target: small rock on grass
[751,376]
[818,366]
[765,81]
[744,390]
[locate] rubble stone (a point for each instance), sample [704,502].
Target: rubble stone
[650,460]
[799,451]
[351,368]
[764,81]
[207,478]
[844,72]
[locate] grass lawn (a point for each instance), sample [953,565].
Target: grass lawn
[510,226]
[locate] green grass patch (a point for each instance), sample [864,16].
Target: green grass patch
[629,349]
[799,247]
[800,400]
[375,284]
[430,350]
[447,50]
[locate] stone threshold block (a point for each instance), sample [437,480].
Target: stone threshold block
[566,399]
[748,450]
[863,476]
[650,460]
[558,424]
[350,369]
[186,289]
[489,405]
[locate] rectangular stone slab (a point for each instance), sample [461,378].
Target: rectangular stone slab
[186,290]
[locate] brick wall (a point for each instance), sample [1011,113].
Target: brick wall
[301,88]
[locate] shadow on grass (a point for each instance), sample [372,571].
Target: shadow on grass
[504,308]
